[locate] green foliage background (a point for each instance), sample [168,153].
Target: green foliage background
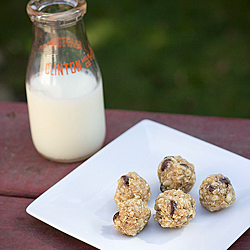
[188,57]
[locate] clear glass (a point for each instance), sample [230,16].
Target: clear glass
[63,83]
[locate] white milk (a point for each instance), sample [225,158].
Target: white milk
[66,118]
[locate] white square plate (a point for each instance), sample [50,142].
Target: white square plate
[82,204]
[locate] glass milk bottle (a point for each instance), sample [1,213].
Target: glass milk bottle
[63,83]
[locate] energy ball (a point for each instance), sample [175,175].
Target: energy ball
[174,209]
[131,186]
[174,172]
[216,192]
[132,216]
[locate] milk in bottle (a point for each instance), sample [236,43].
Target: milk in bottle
[78,112]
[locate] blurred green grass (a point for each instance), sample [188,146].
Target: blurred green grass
[187,57]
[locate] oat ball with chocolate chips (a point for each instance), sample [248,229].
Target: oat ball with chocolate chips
[131,186]
[216,192]
[132,216]
[174,209]
[174,172]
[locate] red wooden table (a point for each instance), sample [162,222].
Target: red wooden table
[24,174]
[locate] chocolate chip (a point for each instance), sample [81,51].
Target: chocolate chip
[125,179]
[173,207]
[168,156]
[225,180]
[184,165]
[211,188]
[192,204]
[115,216]
[162,188]
[166,163]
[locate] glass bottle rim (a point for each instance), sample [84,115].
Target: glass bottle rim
[35,10]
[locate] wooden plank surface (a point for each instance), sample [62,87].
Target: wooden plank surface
[18,230]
